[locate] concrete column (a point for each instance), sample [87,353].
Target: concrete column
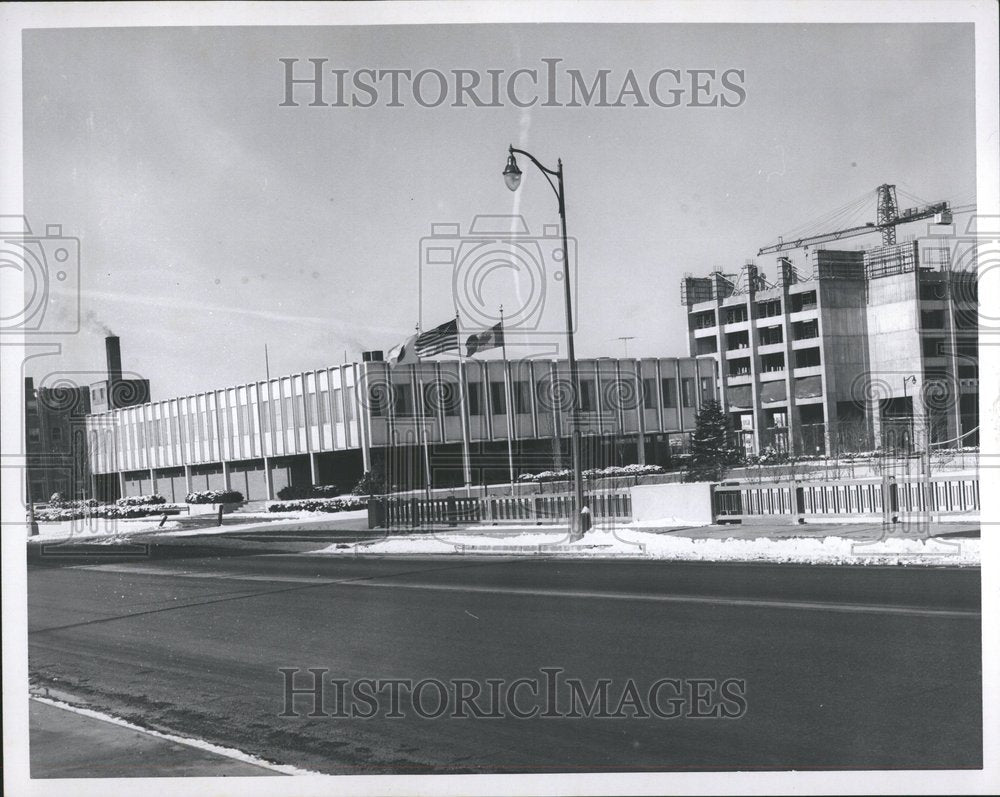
[187,479]
[225,476]
[268,483]
[121,484]
[152,481]
[313,468]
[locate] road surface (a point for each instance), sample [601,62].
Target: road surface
[841,667]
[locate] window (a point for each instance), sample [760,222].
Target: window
[349,404]
[735,315]
[377,398]
[300,410]
[687,392]
[450,398]
[323,407]
[805,330]
[773,362]
[706,388]
[703,320]
[475,398]
[807,358]
[587,396]
[278,415]
[649,394]
[769,308]
[706,346]
[740,367]
[404,400]
[770,335]
[803,301]
[669,387]
[737,340]
[265,411]
[433,397]
[313,407]
[522,398]
[497,398]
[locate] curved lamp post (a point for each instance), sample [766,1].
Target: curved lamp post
[512,177]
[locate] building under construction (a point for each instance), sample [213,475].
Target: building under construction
[836,350]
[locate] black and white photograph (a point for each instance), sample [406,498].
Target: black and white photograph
[481,398]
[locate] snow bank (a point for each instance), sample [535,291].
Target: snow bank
[638,544]
[91,528]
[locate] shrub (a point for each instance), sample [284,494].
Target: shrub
[315,491]
[345,504]
[140,500]
[83,510]
[215,497]
[370,483]
[613,471]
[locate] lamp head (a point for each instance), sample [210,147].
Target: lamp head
[512,174]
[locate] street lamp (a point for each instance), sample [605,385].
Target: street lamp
[512,177]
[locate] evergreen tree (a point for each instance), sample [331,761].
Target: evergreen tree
[712,449]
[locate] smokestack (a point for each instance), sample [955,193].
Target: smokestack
[113,348]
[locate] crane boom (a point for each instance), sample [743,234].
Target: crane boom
[887,215]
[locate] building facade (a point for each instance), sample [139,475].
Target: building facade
[839,349]
[55,441]
[55,418]
[446,423]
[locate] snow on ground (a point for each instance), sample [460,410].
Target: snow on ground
[91,528]
[258,520]
[638,544]
[112,530]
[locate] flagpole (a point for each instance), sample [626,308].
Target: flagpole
[418,387]
[466,466]
[510,415]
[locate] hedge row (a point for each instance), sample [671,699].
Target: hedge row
[290,493]
[141,500]
[108,511]
[320,505]
[593,473]
[215,497]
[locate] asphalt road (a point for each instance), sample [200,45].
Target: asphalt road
[841,667]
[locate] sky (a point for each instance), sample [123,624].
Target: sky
[213,221]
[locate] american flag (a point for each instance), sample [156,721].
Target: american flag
[438,340]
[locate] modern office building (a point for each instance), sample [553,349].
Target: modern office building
[824,357]
[332,424]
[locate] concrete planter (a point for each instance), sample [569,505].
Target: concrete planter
[213,509]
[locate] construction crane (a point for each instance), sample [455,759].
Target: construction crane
[887,218]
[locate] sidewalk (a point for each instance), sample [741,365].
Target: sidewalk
[65,744]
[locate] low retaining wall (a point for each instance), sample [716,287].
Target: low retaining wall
[680,504]
[212,509]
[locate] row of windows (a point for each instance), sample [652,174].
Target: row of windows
[198,422]
[445,398]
